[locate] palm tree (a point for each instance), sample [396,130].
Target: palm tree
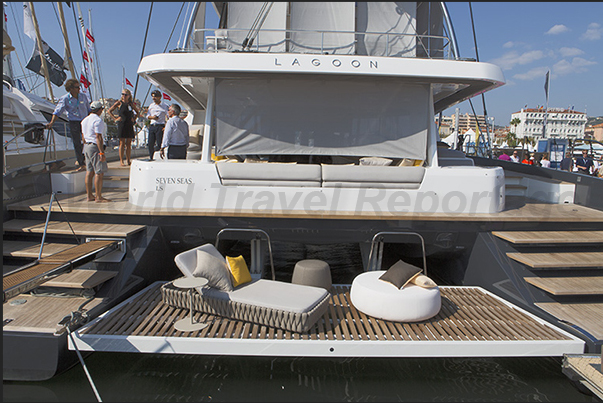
[514,122]
[511,139]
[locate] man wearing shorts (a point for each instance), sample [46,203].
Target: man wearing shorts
[96,162]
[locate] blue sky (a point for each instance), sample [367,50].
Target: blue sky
[524,39]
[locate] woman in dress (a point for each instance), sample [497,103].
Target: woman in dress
[125,124]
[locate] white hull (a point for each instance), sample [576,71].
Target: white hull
[192,185]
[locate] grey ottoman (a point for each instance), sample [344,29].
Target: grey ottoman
[312,272]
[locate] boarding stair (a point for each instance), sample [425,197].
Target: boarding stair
[116,177]
[74,250]
[556,274]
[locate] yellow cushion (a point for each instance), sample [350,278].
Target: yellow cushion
[238,270]
[215,157]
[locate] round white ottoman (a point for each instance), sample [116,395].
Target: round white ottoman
[383,300]
[312,272]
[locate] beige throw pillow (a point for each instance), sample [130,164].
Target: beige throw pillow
[423,281]
[214,270]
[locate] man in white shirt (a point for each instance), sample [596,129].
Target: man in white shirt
[175,135]
[515,157]
[96,162]
[157,114]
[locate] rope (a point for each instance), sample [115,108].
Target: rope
[164,49]
[79,356]
[68,223]
[143,46]
[489,148]
[79,38]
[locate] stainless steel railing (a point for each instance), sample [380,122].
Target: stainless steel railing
[390,44]
[36,142]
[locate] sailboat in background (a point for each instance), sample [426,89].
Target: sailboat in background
[26,142]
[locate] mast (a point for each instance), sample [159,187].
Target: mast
[100,82]
[547,82]
[66,40]
[41,50]
[79,13]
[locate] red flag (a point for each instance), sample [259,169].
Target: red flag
[129,83]
[166,96]
[84,81]
[86,57]
[89,36]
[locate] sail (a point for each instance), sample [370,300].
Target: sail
[260,25]
[323,26]
[396,24]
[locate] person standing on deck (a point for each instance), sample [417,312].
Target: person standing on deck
[175,135]
[567,164]
[125,124]
[77,108]
[544,161]
[157,114]
[584,164]
[96,162]
[515,157]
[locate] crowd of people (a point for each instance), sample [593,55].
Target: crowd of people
[584,164]
[167,130]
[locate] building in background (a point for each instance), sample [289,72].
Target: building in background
[594,132]
[561,123]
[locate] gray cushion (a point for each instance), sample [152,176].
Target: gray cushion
[269,172]
[214,269]
[274,295]
[378,174]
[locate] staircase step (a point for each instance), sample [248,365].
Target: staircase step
[559,259]
[591,285]
[550,237]
[63,228]
[585,315]
[78,251]
[31,276]
[116,182]
[32,249]
[81,278]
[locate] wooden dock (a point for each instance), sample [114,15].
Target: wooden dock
[471,323]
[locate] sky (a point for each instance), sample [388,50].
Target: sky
[525,39]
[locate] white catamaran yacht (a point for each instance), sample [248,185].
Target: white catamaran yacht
[319,108]
[313,124]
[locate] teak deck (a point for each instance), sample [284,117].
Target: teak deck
[516,210]
[475,321]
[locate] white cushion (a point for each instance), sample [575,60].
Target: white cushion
[214,269]
[375,161]
[384,301]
